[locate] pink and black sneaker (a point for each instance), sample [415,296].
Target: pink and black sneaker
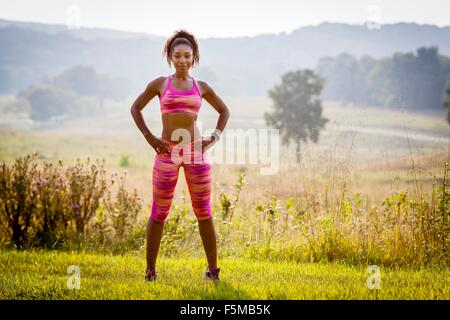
[211,274]
[150,275]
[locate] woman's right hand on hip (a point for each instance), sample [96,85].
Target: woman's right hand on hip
[158,144]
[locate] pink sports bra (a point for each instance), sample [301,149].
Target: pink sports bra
[173,100]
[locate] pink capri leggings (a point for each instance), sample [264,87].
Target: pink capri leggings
[197,171]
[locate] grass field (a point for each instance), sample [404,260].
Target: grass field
[374,163]
[43,275]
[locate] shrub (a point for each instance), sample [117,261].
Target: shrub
[124,209]
[85,189]
[18,194]
[57,206]
[124,160]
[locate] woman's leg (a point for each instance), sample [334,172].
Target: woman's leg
[198,178]
[154,233]
[165,177]
[208,235]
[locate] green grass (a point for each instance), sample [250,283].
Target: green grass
[43,275]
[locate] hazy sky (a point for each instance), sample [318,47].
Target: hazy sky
[227,18]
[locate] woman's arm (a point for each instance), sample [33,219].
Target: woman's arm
[144,98]
[216,102]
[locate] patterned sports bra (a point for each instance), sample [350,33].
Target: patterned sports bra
[173,100]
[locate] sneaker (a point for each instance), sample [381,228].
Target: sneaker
[150,275]
[211,274]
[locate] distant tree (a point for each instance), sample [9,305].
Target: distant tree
[298,110]
[49,102]
[83,80]
[415,81]
[86,81]
[447,103]
[342,75]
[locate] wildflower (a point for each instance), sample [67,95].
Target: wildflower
[402,197]
[39,182]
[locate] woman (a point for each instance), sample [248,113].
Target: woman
[180,98]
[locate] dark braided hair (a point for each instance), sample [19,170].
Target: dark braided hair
[181,37]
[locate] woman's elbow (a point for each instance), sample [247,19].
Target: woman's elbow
[134,108]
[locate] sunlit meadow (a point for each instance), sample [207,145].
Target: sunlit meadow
[373,191]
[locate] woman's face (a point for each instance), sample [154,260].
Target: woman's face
[182,57]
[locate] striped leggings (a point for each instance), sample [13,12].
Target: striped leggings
[197,171]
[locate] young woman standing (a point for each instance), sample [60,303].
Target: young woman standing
[180,98]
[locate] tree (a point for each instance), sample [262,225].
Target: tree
[412,80]
[83,80]
[86,81]
[446,103]
[298,110]
[48,102]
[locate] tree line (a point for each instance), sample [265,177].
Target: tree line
[411,81]
[79,91]
[415,81]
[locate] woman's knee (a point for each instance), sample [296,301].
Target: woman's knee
[202,212]
[158,216]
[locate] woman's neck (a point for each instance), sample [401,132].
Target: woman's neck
[181,75]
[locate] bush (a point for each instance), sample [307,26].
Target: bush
[18,195]
[124,160]
[124,209]
[53,206]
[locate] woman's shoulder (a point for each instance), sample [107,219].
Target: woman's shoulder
[200,82]
[157,83]
[203,83]
[162,78]
[204,86]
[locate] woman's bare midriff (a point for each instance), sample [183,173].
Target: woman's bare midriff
[174,121]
